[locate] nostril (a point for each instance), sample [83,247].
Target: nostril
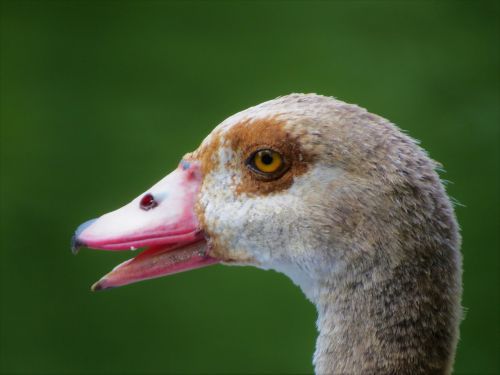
[148,202]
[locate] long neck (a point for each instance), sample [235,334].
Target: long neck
[386,320]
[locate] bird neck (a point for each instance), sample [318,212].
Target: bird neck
[385,321]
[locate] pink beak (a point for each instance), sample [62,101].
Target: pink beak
[163,220]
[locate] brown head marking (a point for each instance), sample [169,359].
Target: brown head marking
[251,135]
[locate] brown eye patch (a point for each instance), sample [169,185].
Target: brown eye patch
[259,142]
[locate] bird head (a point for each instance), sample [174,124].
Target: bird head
[303,184]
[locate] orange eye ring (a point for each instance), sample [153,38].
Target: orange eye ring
[267,163]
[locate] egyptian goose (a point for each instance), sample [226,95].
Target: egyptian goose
[336,198]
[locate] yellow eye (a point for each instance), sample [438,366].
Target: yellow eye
[267,163]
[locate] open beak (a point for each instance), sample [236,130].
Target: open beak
[162,220]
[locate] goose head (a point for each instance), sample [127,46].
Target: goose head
[336,198]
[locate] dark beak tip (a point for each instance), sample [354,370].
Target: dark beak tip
[99,285]
[96,287]
[76,244]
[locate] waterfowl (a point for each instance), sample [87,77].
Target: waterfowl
[338,199]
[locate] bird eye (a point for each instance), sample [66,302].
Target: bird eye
[267,163]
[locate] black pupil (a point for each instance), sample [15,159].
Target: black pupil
[267,158]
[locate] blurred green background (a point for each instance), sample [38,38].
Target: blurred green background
[100,99]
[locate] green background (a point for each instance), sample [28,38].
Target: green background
[100,99]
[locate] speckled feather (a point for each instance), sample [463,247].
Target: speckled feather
[364,227]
